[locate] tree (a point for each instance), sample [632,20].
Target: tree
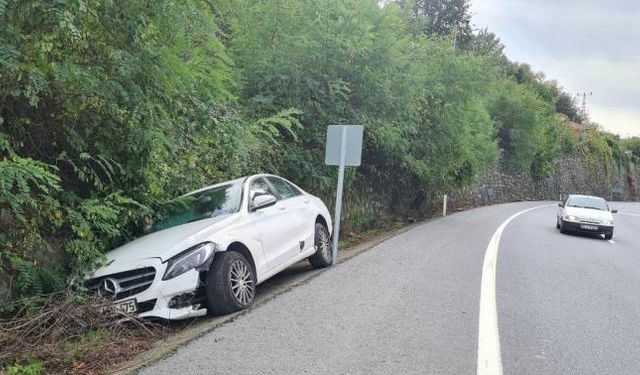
[566,104]
[486,43]
[442,17]
[522,119]
[633,145]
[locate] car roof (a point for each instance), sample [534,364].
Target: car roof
[585,196]
[235,181]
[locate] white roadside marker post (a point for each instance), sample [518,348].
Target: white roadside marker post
[444,206]
[344,148]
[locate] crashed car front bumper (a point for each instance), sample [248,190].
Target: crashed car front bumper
[153,297]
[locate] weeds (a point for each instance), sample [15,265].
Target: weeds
[72,334]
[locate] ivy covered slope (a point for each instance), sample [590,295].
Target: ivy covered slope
[109,108]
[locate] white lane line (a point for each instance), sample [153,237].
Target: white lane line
[612,241]
[489,357]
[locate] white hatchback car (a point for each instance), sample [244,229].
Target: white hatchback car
[213,246]
[585,214]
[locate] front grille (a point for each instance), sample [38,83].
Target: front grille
[589,221]
[129,283]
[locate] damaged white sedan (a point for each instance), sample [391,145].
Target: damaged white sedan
[214,246]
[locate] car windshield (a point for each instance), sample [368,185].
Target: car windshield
[588,202]
[219,200]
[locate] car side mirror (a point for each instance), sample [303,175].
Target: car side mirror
[560,204]
[262,201]
[614,211]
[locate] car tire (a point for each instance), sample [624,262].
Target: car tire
[557,223]
[608,236]
[323,257]
[230,283]
[563,228]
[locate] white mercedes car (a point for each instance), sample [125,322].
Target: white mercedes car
[585,214]
[213,246]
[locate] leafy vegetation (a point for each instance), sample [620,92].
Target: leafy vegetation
[109,108]
[69,333]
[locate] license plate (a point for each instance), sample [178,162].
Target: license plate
[589,227]
[129,306]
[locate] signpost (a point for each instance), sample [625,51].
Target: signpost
[344,148]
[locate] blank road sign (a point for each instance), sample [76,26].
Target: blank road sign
[353,144]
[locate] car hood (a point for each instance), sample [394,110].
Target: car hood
[588,213]
[169,242]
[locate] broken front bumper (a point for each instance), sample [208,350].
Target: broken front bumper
[155,298]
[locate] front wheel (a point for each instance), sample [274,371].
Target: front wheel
[231,283]
[608,235]
[323,256]
[563,228]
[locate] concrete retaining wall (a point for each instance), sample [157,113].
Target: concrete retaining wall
[573,176]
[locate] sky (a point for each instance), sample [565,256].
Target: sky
[588,46]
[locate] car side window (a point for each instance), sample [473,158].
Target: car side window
[283,188]
[259,187]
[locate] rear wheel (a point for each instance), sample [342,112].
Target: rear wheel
[230,284]
[323,256]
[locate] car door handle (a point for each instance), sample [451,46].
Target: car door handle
[282,208]
[307,201]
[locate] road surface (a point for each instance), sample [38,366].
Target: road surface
[565,304]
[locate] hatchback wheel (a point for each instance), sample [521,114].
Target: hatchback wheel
[230,284]
[323,256]
[563,228]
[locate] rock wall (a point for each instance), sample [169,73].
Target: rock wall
[574,176]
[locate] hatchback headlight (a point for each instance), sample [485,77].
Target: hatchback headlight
[570,218]
[607,222]
[189,259]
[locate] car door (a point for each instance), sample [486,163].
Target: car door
[273,224]
[302,213]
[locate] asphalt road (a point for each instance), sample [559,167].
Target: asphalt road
[566,305]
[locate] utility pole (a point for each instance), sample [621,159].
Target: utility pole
[583,110]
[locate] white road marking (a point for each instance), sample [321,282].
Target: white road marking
[489,357]
[612,241]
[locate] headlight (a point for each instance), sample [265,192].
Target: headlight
[189,259]
[607,222]
[570,218]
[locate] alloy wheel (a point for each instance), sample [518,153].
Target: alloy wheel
[242,284]
[322,244]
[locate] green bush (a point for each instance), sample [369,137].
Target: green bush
[30,369]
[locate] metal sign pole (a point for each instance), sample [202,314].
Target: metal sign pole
[336,220]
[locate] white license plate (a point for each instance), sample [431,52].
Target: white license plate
[129,306]
[588,227]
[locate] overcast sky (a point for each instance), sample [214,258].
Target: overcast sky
[587,45]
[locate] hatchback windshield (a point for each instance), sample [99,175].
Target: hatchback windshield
[220,200]
[588,202]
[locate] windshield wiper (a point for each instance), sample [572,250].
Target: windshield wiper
[197,219]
